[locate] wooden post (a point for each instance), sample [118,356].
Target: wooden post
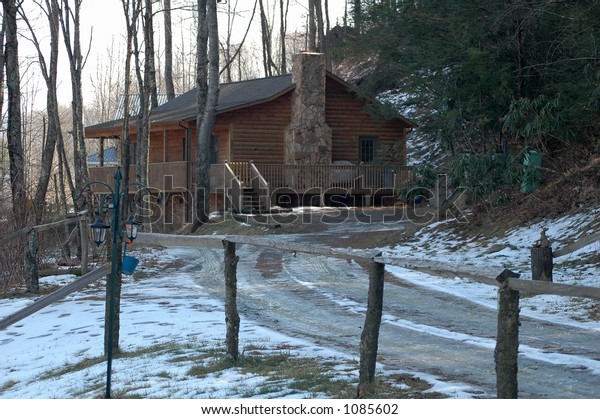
[232,318]
[33,279]
[83,232]
[541,259]
[370,335]
[541,264]
[507,344]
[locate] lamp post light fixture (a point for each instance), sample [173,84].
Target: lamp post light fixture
[98,230]
[131,228]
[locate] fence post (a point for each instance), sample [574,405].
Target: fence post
[33,279]
[370,334]
[542,259]
[232,318]
[83,231]
[507,344]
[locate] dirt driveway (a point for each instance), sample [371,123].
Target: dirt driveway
[323,299]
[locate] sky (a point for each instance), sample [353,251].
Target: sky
[163,307]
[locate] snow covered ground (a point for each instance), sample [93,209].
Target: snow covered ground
[490,255]
[167,306]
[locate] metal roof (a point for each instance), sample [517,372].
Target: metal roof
[110,157]
[231,96]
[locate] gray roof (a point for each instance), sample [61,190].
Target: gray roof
[134,104]
[110,157]
[231,96]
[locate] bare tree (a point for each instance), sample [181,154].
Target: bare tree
[2,63]
[149,63]
[170,86]
[142,137]
[106,86]
[312,28]
[69,20]
[266,34]
[207,81]
[283,12]
[316,27]
[13,131]
[49,73]
[232,56]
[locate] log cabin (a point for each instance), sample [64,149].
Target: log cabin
[298,139]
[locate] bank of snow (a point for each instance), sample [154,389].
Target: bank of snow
[489,256]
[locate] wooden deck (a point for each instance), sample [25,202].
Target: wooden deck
[268,181]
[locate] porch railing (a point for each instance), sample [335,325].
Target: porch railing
[299,178]
[302,178]
[161,176]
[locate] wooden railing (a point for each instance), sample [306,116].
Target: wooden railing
[170,176]
[234,188]
[261,187]
[242,171]
[161,176]
[302,178]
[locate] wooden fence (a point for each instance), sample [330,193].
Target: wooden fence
[509,287]
[31,259]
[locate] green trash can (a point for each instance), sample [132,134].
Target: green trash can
[531,171]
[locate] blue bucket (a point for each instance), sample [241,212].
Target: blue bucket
[129,265]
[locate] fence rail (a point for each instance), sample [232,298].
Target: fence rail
[31,251]
[509,286]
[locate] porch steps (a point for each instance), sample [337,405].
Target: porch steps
[250,201]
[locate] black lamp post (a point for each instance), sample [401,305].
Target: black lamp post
[98,229]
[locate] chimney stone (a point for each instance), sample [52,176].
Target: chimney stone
[308,137]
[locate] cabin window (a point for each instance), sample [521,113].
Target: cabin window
[367,149]
[184,148]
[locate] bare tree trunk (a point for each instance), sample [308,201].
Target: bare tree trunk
[141,150]
[170,87]
[268,63]
[2,64]
[49,73]
[71,17]
[149,64]
[208,94]
[327,20]
[124,150]
[320,27]
[13,130]
[312,28]
[283,12]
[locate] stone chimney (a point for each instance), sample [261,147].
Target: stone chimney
[308,137]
